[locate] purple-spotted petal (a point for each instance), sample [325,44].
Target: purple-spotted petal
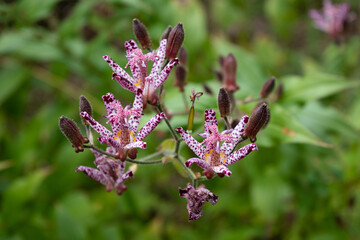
[137,144]
[124,177]
[118,70]
[108,101]
[222,170]
[96,126]
[134,120]
[130,46]
[194,145]
[210,120]
[240,154]
[161,56]
[125,83]
[149,126]
[236,136]
[161,78]
[200,162]
[97,176]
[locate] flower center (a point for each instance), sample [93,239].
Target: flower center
[214,158]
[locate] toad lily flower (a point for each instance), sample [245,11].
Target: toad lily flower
[124,123]
[196,199]
[109,172]
[333,18]
[212,157]
[138,66]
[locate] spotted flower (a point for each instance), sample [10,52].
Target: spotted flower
[109,172]
[196,199]
[137,62]
[211,156]
[124,122]
[332,18]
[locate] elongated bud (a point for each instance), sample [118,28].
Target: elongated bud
[175,40]
[224,103]
[85,106]
[259,119]
[166,33]
[279,92]
[208,173]
[267,87]
[183,56]
[141,33]
[72,133]
[180,77]
[229,73]
[191,119]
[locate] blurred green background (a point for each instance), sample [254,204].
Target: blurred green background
[303,183]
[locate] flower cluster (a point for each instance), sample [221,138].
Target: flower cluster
[215,153]
[138,66]
[212,157]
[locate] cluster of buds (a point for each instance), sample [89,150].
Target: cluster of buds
[124,137]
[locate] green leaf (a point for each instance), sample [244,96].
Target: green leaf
[314,86]
[11,79]
[34,10]
[20,192]
[285,128]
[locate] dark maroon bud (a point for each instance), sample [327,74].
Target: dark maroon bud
[267,87]
[224,103]
[72,133]
[166,33]
[234,123]
[259,119]
[229,73]
[132,153]
[180,77]
[175,40]
[221,174]
[278,92]
[208,173]
[121,155]
[141,33]
[183,56]
[85,106]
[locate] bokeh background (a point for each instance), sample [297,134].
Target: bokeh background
[303,183]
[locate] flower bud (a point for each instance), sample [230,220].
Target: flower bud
[166,33]
[180,77]
[259,119]
[267,87]
[229,73]
[234,123]
[72,133]
[141,33]
[278,92]
[208,173]
[224,103]
[183,56]
[132,153]
[175,40]
[85,106]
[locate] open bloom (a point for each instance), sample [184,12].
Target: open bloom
[212,156]
[124,122]
[109,172]
[196,199]
[332,19]
[138,66]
